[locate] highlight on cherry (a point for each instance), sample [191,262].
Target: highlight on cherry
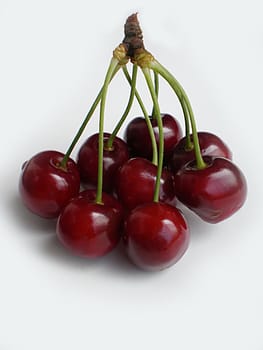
[126,190]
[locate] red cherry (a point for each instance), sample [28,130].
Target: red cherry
[136,182]
[210,145]
[45,187]
[89,229]
[138,138]
[156,236]
[112,159]
[213,193]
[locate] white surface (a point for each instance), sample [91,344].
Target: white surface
[54,55]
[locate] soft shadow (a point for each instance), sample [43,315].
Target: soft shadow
[115,262]
[198,228]
[27,220]
[54,250]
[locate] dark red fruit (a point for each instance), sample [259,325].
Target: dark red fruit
[138,138]
[136,182]
[213,193]
[45,187]
[89,229]
[112,159]
[210,145]
[156,236]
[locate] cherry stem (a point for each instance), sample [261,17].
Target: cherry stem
[187,109]
[109,75]
[150,84]
[146,117]
[157,67]
[64,161]
[156,86]
[188,142]
[156,83]
[127,110]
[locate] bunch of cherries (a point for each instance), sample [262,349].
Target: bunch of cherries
[130,187]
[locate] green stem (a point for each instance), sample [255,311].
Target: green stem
[187,109]
[188,142]
[148,78]
[147,119]
[127,110]
[156,86]
[83,125]
[156,83]
[112,67]
[156,66]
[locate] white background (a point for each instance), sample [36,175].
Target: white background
[53,58]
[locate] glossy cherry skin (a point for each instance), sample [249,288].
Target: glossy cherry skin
[89,229]
[136,183]
[214,193]
[138,138]
[156,236]
[45,187]
[112,159]
[210,145]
